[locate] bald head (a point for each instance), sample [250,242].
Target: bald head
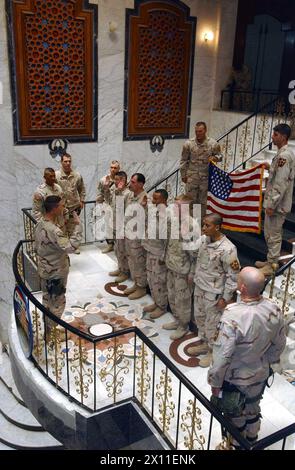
[250,282]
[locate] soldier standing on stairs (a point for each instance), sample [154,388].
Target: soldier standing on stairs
[104,188]
[215,278]
[278,197]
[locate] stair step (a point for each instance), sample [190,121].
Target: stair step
[4,447]
[7,379]
[17,438]
[16,413]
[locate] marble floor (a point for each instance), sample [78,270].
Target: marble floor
[87,278]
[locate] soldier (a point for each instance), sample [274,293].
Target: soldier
[103,194]
[215,279]
[120,189]
[179,261]
[278,197]
[52,247]
[49,188]
[136,254]
[194,164]
[251,338]
[74,191]
[155,264]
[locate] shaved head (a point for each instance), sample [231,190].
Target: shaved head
[252,280]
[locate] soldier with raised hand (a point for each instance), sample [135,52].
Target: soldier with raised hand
[179,258]
[215,277]
[52,248]
[278,197]
[155,253]
[251,337]
[194,164]
[120,190]
[74,191]
[136,254]
[104,193]
[48,188]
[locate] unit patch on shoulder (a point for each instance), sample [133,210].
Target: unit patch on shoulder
[281,162]
[235,265]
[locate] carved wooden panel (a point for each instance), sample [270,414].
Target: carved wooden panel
[160,41]
[53,62]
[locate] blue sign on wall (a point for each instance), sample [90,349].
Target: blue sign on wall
[23,321]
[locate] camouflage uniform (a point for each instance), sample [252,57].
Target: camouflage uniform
[120,245]
[156,268]
[179,262]
[52,248]
[278,196]
[103,193]
[136,254]
[41,193]
[74,193]
[251,337]
[194,165]
[215,277]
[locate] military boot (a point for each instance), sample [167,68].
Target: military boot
[180,332]
[157,313]
[121,278]
[201,348]
[206,360]
[138,293]
[173,325]
[149,308]
[109,248]
[115,273]
[129,290]
[267,270]
[260,264]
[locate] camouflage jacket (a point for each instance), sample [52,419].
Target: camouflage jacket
[279,189]
[251,337]
[73,188]
[194,162]
[217,267]
[138,229]
[41,193]
[155,242]
[52,248]
[104,193]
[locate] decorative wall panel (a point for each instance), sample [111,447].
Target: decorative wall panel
[160,42]
[53,60]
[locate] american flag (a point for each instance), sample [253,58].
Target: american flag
[237,197]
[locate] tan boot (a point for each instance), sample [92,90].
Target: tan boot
[267,270]
[77,251]
[149,308]
[179,333]
[173,325]
[121,278]
[201,348]
[138,293]
[206,360]
[109,248]
[157,313]
[117,272]
[129,290]
[260,264]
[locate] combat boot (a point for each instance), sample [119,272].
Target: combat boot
[115,273]
[109,248]
[267,270]
[130,290]
[180,332]
[138,293]
[149,308]
[121,278]
[173,325]
[201,348]
[206,360]
[157,313]
[260,264]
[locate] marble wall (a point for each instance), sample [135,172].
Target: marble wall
[22,166]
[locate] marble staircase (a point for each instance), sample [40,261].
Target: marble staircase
[19,430]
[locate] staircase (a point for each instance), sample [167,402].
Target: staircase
[19,430]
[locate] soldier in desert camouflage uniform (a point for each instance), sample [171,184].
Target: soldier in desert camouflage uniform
[74,191]
[194,164]
[119,189]
[48,188]
[215,278]
[155,252]
[52,247]
[136,254]
[251,338]
[104,192]
[278,197]
[179,259]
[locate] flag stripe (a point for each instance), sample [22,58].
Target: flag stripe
[233,207]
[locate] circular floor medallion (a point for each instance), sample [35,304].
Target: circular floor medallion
[100,329]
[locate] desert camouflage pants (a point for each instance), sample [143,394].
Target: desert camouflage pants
[70,225]
[273,230]
[207,316]
[120,252]
[179,296]
[136,256]
[249,422]
[198,189]
[157,280]
[55,303]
